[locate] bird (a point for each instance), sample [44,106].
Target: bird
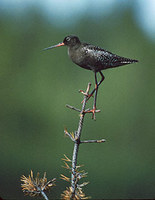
[93,58]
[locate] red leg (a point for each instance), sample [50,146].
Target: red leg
[96,85]
[95,98]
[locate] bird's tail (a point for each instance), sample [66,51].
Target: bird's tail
[127,60]
[119,61]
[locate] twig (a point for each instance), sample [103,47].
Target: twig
[73,108]
[44,195]
[69,135]
[93,141]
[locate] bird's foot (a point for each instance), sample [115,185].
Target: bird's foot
[93,111]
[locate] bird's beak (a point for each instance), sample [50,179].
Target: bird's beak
[57,45]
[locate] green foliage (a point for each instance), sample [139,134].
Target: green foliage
[36,85]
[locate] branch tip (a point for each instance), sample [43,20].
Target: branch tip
[73,108]
[94,141]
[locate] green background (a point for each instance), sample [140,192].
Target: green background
[35,86]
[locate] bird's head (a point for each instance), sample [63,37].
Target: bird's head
[69,41]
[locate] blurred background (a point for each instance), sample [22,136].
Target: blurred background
[35,86]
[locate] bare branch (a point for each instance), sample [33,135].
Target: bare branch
[76,175]
[69,135]
[73,108]
[93,141]
[77,143]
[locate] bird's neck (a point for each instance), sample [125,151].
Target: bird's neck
[74,47]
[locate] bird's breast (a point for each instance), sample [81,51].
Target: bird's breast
[82,57]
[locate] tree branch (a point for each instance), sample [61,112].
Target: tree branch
[73,108]
[76,139]
[77,142]
[93,141]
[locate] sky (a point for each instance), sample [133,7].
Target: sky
[70,11]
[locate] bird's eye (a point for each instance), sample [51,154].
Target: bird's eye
[68,39]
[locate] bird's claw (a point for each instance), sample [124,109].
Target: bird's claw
[93,111]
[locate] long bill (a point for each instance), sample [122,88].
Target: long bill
[57,45]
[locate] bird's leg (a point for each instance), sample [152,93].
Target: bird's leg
[95,98]
[96,86]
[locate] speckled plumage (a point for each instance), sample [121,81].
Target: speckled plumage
[92,57]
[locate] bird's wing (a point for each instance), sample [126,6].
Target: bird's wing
[103,59]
